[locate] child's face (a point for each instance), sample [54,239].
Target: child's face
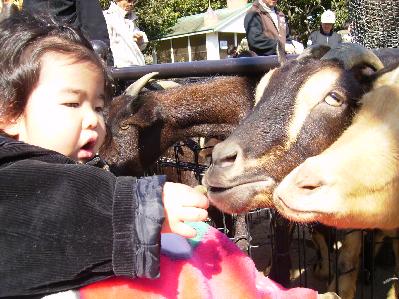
[64,111]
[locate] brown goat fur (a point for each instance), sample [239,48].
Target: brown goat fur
[141,129]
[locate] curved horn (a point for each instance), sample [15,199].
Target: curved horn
[353,55]
[134,88]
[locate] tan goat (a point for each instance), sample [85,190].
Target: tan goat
[355,182]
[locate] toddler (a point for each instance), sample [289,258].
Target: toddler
[64,223]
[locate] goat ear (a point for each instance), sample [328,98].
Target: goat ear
[281,56]
[388,76]
[315,51]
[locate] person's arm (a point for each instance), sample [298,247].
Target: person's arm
[257,40]
[63,226]
[142,41]
[312,39]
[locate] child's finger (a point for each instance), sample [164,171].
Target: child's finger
[194,214]
[184,230]
[195,199]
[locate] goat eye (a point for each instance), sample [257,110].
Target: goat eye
[124,126]
[334,99]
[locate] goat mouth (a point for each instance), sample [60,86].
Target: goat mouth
[240,198]
[294,214]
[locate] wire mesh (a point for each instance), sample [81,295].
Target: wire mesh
[375,23]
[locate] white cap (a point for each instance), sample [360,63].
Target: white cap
[328,17]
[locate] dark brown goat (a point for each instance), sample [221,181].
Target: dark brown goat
[142,126]
[306,105]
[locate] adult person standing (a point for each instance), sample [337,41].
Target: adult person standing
[127,40]
[85,15]
[265,26]
[325,35]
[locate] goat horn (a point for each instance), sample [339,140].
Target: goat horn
[353,55]
[134,88]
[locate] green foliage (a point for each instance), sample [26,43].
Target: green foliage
[105,3]
[155,17]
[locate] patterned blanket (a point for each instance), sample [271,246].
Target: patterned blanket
[205,267]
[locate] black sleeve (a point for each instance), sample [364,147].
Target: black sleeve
[92,20]
[63,226]
[257,40]
[84,14]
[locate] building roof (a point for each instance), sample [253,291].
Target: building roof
[195,24]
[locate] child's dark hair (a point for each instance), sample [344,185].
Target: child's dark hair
[24,39]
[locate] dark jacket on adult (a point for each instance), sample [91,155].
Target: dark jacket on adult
[262,33]
[64,225]
[84,14]
[319,37]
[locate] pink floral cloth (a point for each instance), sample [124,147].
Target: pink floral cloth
[206,267]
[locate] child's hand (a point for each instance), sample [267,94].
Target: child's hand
[182,203]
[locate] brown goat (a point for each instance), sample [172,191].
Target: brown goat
[292,121]
[142,126]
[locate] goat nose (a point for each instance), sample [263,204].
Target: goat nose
[225,154]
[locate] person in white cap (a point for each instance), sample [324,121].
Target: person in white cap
[325,35]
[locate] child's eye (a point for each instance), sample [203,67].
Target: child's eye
[99,109]
[71,105]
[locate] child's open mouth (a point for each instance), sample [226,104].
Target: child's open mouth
[87,150]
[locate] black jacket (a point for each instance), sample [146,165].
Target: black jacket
[83,14]
[64,225]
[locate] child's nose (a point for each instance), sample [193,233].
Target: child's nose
[90,120]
